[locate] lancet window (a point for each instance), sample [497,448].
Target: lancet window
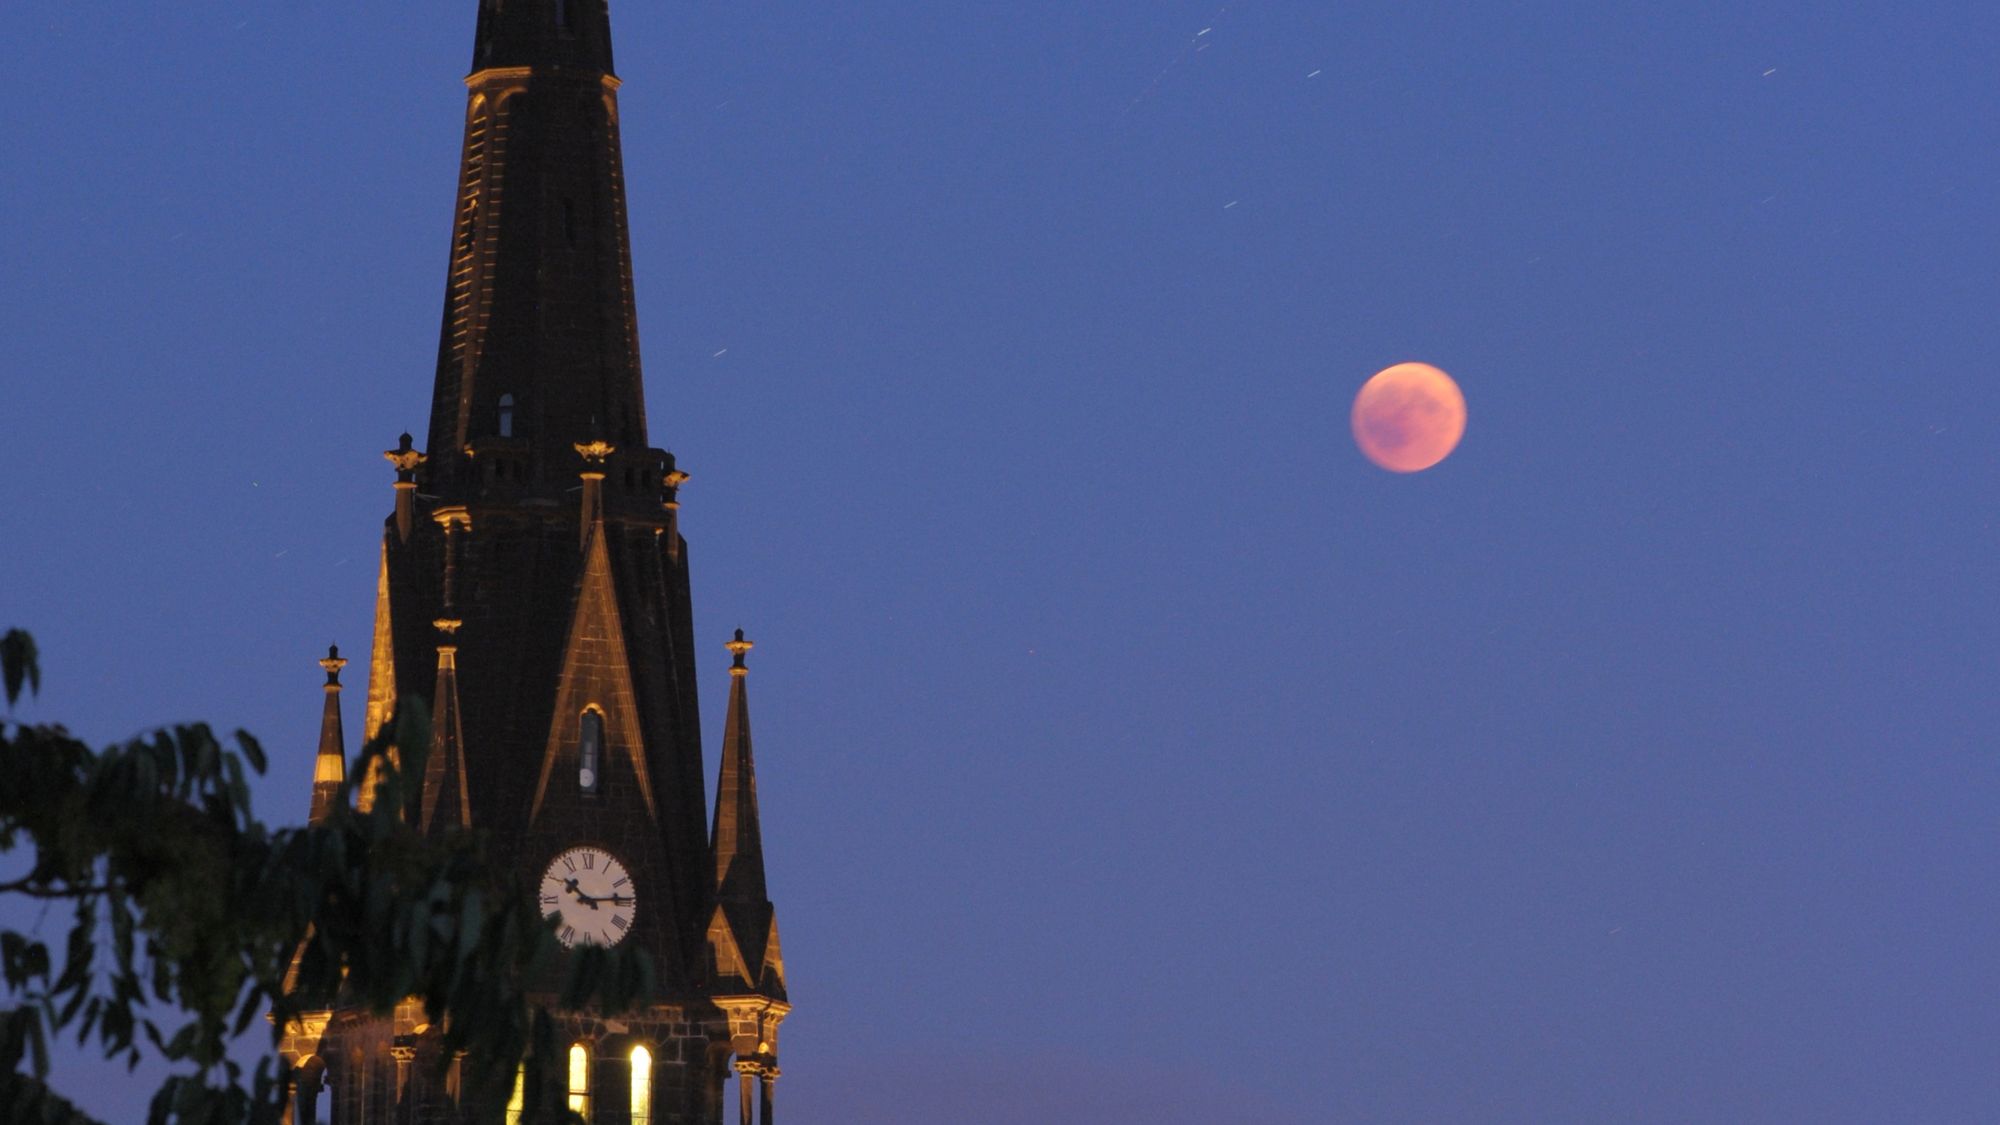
[590,751]
[642,1086]
[579,1080]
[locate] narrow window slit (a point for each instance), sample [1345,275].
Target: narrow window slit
[590,751]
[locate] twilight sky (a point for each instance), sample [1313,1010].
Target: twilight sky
[1132,750]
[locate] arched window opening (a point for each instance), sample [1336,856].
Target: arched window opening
[562,15]
[590,751]
[642,1086]
[506,415]
[579,1080]
[514,1100]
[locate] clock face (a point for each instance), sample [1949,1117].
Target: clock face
[593,893]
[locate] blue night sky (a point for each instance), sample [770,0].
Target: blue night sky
[1131,749]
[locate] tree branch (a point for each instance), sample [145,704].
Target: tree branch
[27,887]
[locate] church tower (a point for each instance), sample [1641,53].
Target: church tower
[533,597]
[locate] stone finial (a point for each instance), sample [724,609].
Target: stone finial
[406,459]
[741,648]
[671,478]
[595,453]
[333,664]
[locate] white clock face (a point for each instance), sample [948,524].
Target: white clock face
[593,893]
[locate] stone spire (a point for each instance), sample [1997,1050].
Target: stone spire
[749,984]
[444,769]
[738,837]
[330,767]
[572,594]
[540,343]
[571,34]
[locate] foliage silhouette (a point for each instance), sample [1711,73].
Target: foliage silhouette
[192,919]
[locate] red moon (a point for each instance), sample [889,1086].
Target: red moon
[1409,417]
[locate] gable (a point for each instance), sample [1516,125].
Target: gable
[596,674]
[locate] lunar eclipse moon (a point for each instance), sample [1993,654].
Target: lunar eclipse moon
[1408,417]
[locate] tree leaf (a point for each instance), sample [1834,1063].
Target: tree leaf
[253,751]
[19,661]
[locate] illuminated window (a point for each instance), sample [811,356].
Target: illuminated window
[506,415]
[514,1099]
[579,1080]
[590,751]
[642,1086]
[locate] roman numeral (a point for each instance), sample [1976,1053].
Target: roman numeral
[569,864]
[548,900]
[620,882]
[569,933]
[589,862]
[619,921]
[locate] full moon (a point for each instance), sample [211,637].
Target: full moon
[1408,417]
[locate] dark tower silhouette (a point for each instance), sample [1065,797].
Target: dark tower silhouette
[533,597]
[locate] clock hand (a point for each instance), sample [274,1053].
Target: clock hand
[585,899]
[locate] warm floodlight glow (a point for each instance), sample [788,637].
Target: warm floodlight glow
[329,768]
[1408,417]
